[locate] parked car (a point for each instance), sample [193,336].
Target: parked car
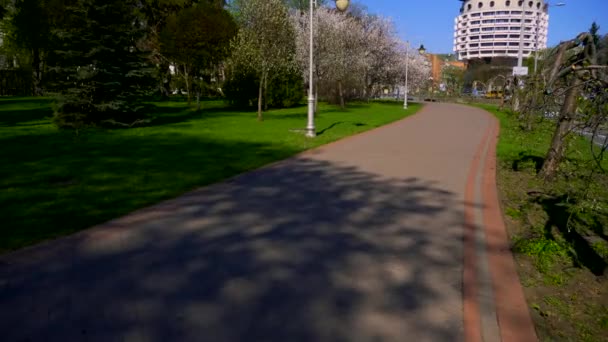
[494,94]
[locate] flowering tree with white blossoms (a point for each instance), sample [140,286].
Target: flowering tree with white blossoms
[265,41]
[355,55]
[419,69]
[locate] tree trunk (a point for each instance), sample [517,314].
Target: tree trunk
[316,98]
[564,125]
[36,73]
[198,100]
[340,94]
[165,85]
[265,93]
[260,93]
[187,77]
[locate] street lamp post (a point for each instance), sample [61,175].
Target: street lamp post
[421,51]
[407,63]
[341,5]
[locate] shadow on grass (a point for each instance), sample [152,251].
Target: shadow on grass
[162,115]
[583,254]
[60,183]
[43,101]
[525,158]
[356,124]
[20,117]
[306,250]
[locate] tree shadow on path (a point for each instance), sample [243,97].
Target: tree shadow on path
[306,250]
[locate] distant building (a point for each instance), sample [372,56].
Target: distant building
[492,28]
[437,64]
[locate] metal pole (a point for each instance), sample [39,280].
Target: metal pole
[310,128]
[407,63]
[520,56]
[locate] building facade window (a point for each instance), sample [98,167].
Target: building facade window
[499,26]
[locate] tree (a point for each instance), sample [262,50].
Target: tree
[594,31]
[570,70]
[356,54]
[101,71]
[602,53]
[156,13]
[29,28]
[453,77]
[265,43]
[338,58]
[197,38]
[303,5]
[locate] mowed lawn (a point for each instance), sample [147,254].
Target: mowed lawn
[55,182]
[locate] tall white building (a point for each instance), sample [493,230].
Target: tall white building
[492,28]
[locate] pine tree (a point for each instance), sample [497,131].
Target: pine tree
[101,71]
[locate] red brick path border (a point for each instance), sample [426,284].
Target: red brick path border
[512,313]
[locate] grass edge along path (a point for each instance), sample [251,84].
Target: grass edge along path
[55,182]
[568,301]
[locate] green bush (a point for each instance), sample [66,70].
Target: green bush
[241,89]
[284,90]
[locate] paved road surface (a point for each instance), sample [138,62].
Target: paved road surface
[361,240]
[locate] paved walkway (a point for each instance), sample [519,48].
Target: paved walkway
[367,239]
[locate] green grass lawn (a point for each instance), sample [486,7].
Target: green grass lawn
[55,182]
[559,240]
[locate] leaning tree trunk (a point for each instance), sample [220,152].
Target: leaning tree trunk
[564,125]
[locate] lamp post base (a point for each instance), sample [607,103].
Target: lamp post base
[310,128]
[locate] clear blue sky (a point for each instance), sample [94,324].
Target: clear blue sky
[431,22]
